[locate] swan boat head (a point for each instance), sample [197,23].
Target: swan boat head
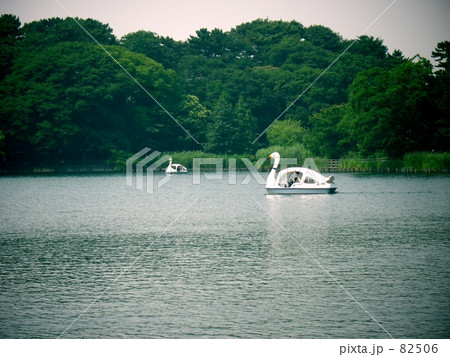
[273,171]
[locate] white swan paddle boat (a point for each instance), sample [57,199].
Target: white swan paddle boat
[297,180]
[175,168]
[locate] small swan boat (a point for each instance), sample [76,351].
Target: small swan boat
[175,168]
[295,180]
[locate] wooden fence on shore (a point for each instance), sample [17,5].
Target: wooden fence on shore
[333,165]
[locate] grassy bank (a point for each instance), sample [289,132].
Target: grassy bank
[375,165]
[427,161]
[412,162]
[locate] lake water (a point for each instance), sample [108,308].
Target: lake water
[90,257]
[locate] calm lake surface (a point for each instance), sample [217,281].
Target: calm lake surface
[90,257]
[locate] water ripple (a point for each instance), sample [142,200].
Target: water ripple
[225,269]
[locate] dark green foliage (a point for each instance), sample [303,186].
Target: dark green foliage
[220,130]
[440,94]
[163,50]
[62,96]
[442,54]
[244,124]
[51,31]
[297,151]
[9,37]
[327,138]
[71,101]
[388,111]
[195,118]
[285,133]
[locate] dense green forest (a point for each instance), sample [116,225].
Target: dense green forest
[64,97]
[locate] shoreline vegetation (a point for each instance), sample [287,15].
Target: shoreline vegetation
[416,162]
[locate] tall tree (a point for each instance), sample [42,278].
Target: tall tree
[323,37]
[49,32]
[285,133]
[209,44]
[441,97]
[326,139]
[442,54]
[163,50]
[195,118]
[220,131]
[9,36]
[244,126]
[388,110]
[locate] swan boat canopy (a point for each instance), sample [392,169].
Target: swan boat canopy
[297,180]
[175,168]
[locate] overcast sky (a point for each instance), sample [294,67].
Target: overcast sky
[413,26]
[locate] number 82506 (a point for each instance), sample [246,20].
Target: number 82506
[418,348]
